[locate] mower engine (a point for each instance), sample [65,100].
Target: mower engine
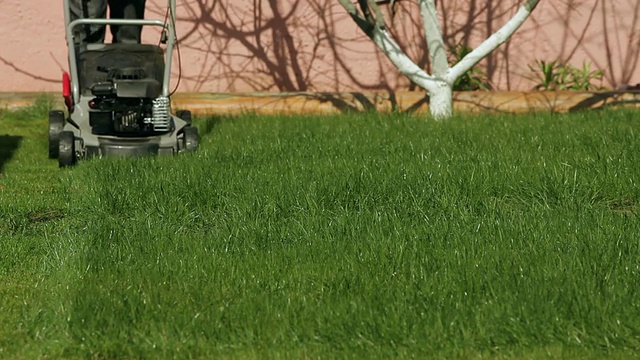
[128,103]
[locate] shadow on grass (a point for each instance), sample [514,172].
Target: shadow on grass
[207,124]
[8,146]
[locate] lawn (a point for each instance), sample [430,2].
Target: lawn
[352,236]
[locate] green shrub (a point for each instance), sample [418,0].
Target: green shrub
[557,75]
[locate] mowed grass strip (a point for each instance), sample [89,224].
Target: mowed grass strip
[354,236]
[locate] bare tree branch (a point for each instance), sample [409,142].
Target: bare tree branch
[392,50]
[495,40]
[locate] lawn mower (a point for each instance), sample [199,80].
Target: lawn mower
[117,97]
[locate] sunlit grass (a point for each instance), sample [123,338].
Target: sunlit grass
[352,236]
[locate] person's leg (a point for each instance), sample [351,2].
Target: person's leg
[92,9]
[126,9]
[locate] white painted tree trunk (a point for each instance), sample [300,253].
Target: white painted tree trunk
[438,85]
[441,101]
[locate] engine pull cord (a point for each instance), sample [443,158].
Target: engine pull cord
[173,23]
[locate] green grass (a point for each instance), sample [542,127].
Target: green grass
[354,236]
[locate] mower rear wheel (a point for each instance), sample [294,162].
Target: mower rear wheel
[56,124]
[66,149]
[184,115]
[191,138]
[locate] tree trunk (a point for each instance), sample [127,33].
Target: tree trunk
[441,101]
[439,85]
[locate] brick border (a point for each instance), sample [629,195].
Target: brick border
[405,101]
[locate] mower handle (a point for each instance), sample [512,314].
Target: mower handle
[73,64]
[77,22]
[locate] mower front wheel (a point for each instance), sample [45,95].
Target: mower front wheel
[191,139]
[56,124]
[66,149]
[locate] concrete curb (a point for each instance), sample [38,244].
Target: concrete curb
[332,103]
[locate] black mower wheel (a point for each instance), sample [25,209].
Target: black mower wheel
[66,149]
[56,124]
[191,139]
[184,115]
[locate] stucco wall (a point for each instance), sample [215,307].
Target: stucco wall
[312,45]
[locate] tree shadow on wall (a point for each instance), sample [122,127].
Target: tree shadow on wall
[26,72]
[302,46]
[272,45]
[295,45]
[284,46]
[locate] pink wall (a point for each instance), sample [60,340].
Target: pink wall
[312,45]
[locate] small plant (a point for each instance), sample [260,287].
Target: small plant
[474,79]
[583,77]
[556,75]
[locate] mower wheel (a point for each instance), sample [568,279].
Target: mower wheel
[184,115]
[56,124]
[66,149]
[191,138]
